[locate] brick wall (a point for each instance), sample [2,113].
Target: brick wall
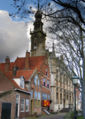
[5,84]
[11,98]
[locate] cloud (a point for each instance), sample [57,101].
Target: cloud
[13,37]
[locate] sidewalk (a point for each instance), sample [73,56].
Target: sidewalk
[51,116]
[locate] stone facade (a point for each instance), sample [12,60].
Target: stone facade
[61,85]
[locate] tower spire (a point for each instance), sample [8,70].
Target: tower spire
[38,5]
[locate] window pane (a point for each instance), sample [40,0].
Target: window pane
[44,81]
[31,93]
[47,83]
[35,79]
[35,95]
[27,105]
[39,96]
[48,97]
[44,96]
[22,105]
[17,99]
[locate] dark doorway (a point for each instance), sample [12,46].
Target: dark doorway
[16,110]
[6,111]
[64,103]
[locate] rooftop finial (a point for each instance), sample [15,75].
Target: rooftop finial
[38,4]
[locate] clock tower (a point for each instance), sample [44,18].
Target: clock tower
[38,37]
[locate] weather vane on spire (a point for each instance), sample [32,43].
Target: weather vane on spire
[38,4]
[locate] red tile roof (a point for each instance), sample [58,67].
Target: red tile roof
[25,73]
[2,66]
[36,62]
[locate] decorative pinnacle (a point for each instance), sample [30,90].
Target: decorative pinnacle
[53,47]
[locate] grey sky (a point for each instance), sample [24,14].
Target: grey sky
[13,37]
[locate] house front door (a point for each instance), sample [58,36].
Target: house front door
[6,111]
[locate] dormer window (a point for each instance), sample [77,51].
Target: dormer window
[22,82]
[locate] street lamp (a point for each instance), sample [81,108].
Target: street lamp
[75,82]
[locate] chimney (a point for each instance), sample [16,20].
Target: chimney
[27,60]
[7,61]
[15,68]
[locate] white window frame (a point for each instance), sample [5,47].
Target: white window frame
[18,103]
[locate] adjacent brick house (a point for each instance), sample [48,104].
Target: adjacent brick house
[12,97]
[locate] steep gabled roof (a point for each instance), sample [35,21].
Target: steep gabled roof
[9,76]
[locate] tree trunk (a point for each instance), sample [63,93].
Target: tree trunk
[83,87]
[82,97]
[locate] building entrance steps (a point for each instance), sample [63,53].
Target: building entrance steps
[48,113]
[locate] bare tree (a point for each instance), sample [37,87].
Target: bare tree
[70,44]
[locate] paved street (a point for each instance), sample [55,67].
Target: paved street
[54,116]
